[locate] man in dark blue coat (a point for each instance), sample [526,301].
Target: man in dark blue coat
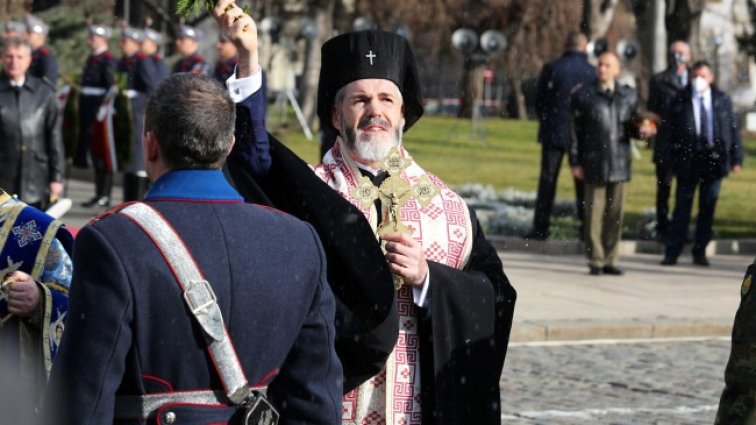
[706,146]
[132,353]
[661,93]
[556,83]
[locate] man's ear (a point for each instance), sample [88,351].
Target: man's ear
[231,146]
[336,120]
[151,148]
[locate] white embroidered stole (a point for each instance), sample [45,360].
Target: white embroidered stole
[444,229]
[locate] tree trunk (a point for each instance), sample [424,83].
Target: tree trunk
[324,20]
[597,16]
[521,109]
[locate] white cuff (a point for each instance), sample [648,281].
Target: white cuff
[419,295]
[242,88]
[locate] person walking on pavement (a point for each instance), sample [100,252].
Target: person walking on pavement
[604,115]
[661,93]
[33,159]
[556,83]
[706,147]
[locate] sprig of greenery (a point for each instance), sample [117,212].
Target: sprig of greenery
[186,7]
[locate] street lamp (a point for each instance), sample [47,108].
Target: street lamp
[491,42]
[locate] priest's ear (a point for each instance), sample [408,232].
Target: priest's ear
[336,119]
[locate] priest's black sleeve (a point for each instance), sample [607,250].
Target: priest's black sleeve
[466,336]
[367,324]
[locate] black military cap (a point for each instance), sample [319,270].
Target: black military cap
[369,54]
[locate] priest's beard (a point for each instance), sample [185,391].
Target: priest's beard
[368,147]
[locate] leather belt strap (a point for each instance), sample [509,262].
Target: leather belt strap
[142,406]
[93,91]
[198,295]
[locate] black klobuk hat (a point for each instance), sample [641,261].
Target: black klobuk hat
[368,54]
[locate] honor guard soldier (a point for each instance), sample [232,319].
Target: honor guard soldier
[227,59]
[13,29]
[188,305]
[454,301]
[187,44]
[138,85]
[96,79]
[154,65]
[44,64]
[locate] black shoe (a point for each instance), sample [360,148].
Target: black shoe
[97,201]
[668,261]
[700,260]
[595,271]
[613,271]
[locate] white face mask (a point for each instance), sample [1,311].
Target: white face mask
[700,84]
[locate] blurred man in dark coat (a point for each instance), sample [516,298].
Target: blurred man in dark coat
[455,303]
[187,45]
[604,116]
[32,160]
[706,147]
[556,83]
[96,79]
[662,91]
[133,353]
[44,64]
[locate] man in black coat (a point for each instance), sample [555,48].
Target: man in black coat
[706,146]
[455,303]
[556,83]
[661,92]
[134,350]
[603,119]
[32,160]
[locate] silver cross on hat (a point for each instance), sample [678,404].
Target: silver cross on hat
[370,56]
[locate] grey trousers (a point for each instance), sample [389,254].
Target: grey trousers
[604,206]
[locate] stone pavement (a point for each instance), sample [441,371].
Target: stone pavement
[559,300]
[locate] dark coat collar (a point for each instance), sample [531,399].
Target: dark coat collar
[30,83]
[197,185]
